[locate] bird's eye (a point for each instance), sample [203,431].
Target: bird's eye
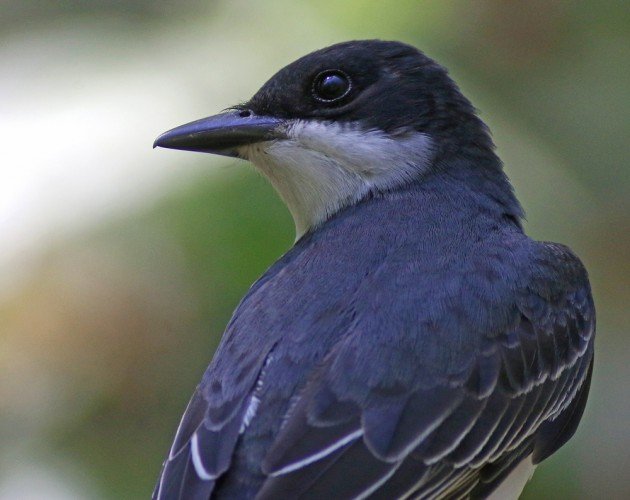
[331,85]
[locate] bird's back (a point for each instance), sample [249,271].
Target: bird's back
[403,359]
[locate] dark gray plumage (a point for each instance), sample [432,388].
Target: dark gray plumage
[414,342]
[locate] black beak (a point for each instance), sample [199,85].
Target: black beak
[222,134]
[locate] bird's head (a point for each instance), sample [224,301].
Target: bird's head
[343,122]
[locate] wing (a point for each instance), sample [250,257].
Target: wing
[452,397]
[206,438]
[218,416]
[219,408]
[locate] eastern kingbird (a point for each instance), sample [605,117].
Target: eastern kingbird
[414,342]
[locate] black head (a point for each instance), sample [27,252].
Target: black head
[349,120]
[388,86]
[377,85]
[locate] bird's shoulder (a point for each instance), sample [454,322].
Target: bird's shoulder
[466,364]
[553,270]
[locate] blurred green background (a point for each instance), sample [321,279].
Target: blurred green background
[120,265]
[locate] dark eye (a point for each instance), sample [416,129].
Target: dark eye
[331,85]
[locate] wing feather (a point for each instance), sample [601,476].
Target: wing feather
[454,437]
[475,379]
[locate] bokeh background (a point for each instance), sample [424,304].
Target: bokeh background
[120,265]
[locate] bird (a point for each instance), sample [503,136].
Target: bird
[414,342]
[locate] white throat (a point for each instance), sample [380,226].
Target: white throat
[322,167]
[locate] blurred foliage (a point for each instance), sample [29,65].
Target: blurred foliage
[127,317]
[106,336]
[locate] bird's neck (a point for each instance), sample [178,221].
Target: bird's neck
[481,173]
[322,167]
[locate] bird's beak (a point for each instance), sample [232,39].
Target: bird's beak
[222,134]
